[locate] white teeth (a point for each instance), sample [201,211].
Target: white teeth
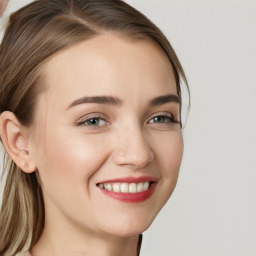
[133,188]
[116,188]
[145,186]
[140,187]
[109,187]
[125,187]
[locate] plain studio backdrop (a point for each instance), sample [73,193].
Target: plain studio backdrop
[213,209]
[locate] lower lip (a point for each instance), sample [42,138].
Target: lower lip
[131,197]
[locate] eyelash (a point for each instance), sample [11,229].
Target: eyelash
[99,117]
[166,116]
[92,117]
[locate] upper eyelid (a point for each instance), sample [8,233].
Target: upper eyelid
[168,114]
[103,116]
[92,115]
[165,115]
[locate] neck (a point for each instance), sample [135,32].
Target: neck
[94,247]
[63,238]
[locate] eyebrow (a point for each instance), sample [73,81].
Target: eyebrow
[165,99]
[114,101]
[105,100]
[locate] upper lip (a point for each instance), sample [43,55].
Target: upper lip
[132,179]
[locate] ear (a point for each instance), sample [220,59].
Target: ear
[15,140]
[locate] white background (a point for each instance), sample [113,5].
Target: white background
[213,209]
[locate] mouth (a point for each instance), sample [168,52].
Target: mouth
[126,187]
[129,190]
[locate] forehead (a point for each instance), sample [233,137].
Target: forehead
[108,64]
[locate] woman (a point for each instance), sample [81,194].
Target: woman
[90,108]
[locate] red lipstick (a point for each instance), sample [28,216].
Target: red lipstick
[131,197]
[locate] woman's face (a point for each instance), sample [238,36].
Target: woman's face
[108,117]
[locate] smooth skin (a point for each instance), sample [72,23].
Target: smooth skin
[76,147]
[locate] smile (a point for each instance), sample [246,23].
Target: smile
[126,187]
[129,189]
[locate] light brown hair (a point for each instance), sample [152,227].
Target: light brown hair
[34,34]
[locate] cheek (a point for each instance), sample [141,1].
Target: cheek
[173,153]
[170,151]
[170,155]
[70,159]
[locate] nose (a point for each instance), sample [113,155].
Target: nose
[132,149]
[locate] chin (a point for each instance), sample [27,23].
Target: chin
[128,228]
[128,232]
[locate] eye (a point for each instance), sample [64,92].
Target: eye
[163,119]
[160,119]
[92,122]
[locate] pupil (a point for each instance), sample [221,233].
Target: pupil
[93,121]
[159,119]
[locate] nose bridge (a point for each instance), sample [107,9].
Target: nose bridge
[132,147]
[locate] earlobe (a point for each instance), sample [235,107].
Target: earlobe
[15,141]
